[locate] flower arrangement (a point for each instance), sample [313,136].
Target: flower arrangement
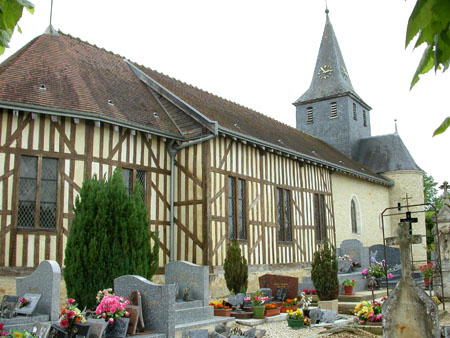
[306,301]
[347,282]
[256,299]
[376,269]
[297,314]
[436,300]
[70,314]
[17,333]
[346,258]
[272,306]
[290,302]
[111,307]
[307,321]
[427,270]
[369,311]
[101,294]
[309,292]
[1,330]
[23,302]
[219,304]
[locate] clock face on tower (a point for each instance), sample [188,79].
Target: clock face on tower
[324,72]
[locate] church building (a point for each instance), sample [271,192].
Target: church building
[212,170]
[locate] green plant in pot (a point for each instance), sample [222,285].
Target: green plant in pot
[324,272]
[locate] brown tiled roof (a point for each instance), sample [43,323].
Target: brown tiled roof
[82,77]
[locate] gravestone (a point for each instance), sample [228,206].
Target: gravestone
[355,249]
[345,266]
[28,309]
[446,332]
[393,256]
[45,280]
[158,302]
[237,300]
[195,334]
[409,311]
[118,329]
[97,327]
[8,306]
[315,315]
[56,332]
[266,292]
[275,282]
[41,329]
[80,330]
[328,316]
[281,295]
[194,278]
[443,219]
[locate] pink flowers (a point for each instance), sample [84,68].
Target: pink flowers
[390,275]
[365,272]
[70,301]
[64,323]
[112,307]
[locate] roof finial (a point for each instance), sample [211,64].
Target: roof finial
[326,7]
[51,12]
[396,130]
[50,30]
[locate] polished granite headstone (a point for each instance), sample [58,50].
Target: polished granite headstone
[276,282]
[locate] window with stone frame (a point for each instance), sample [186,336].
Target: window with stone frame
[284,215]
[237,228]
[320,221]
[353,217]
[131,177]
[38,188]
[355,117]
[364,119]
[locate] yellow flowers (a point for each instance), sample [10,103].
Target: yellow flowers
[298,314]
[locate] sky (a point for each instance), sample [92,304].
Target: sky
[261,54]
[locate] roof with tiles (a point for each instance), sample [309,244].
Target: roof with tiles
[82,78]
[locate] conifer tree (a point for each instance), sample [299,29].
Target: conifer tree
[324,272]
[236,269]
[109,237]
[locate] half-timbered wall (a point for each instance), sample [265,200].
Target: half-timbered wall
[86,148]
[264,172]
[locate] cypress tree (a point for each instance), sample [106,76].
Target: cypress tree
[236,269]
[109,237]
[324,272]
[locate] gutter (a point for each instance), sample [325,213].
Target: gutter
[173,150]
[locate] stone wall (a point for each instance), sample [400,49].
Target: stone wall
[409,182]
[371,200]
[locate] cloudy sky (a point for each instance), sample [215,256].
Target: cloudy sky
[261,54]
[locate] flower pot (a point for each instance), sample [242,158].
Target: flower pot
[428,282]
[348,290]
[222,312]
[258,311]
[272,312]
[118,328]
[285,309]
[295,323]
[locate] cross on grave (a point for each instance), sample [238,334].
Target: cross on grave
[444,186]
[404,240]
[409,220]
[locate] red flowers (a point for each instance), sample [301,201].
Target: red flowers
[271,306]
[23,302]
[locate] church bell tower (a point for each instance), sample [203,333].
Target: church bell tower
[330,109]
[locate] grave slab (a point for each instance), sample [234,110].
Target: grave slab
[45,280]
[356,251]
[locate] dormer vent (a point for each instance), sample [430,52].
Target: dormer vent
[155,114]
[42,87]
[110,102]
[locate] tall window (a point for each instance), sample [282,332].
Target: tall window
[236,209]
[364,119]
[127,175]
[319,217]
[284,215]
[353,216]
[354,112]
[309,115]
[38,182]
[333,110]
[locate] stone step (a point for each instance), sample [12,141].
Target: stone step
[205,323]
[152,335]
[359,297]
[187,315]
[188,305]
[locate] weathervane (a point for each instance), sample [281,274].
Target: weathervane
[326,7]
[51,12]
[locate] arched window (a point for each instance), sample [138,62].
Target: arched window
[354,213]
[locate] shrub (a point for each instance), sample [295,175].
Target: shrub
[324,272]
[109,237]
[236,269]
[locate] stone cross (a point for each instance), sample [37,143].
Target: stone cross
[405,240]
[444,186]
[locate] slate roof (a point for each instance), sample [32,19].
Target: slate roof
[385,153]
[81,78]
[338,82]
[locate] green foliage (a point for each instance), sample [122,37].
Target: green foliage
[431,196]
[443,127]
[236,269]
[109,237]
[324,272]
[10,14]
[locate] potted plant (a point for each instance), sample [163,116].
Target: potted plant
[348,286]
[305,303]
[295,319]
[220,309]
[324,276]
[257,302]
[427,270]
[369,313]
[272,310]
[70,315]
[376,270]
[289,305]
[112,309]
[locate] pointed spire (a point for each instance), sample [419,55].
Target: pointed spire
[396,130]
[330,76]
